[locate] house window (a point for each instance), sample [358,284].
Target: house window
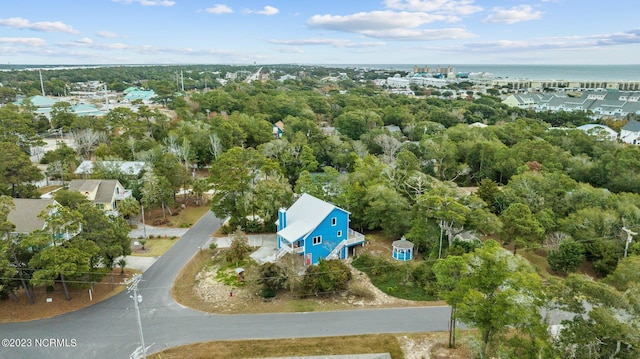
[317,240]
[339,234]
[334,221]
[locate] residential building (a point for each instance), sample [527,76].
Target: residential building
[630,133]
[26,217]
[104,193]
[599,104]
[604,133]
[278,129]
[130,168]
[316,230]
[146,96]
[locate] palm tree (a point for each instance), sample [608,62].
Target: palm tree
[122,263]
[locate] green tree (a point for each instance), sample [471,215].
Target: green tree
[156,191]
[18,126]
[129,207]
[500,292]
[16,171]
[233,175]
[272,278]
[327,277]
[488,191]
[239,247]
[387,209]
[66,260]
[449,272]
[269,195]
[520,227]
[70,199]
[604,321]
[108,233]
[7,270]
[626,275]
[355,123]
[567,258]
[62,116]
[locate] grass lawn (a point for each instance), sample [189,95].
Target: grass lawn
[538,262]
[422,345]
[155,247]
[189,216]
[362,344]
[47,189]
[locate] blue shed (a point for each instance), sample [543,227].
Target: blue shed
[402,250]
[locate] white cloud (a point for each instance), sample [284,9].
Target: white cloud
[219,9]
[84,41]
[289,50]
[267,10]
[28,41]
[326,42]
[47,26]
[561,42]
[373,21]
[391,25]
[108,34]
[511,16]
[148,2]
[458,7]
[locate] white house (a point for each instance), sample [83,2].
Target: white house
[630,133]
[600,131]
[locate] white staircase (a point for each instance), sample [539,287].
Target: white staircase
[336,250]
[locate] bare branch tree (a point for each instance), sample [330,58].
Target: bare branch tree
[215,145]
[390,145]
[86,141]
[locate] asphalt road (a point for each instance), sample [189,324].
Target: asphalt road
[109,329]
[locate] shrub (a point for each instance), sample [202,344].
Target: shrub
[213,245]
[327,277]
[272,277]
[268,292]
[567,258]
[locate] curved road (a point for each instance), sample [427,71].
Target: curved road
[109,329]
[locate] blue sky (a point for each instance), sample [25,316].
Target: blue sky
[421,32]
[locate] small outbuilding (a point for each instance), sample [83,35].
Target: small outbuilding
[402,249]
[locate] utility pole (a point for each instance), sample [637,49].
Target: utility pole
[629,238]
[41,82]
[132,286]
[144,226]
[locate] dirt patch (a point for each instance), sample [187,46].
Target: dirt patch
[361,293]
[20,311]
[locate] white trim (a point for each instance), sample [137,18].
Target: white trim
[316,240]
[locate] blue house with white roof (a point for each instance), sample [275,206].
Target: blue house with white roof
[316,230]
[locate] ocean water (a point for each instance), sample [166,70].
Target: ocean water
[535,72]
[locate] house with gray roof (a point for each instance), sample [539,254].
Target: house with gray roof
[26,217]
[104,193]
[601,132]
[25,214]
[599,104]
[630,133]
[130,168]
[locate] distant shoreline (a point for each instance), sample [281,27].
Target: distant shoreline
[602,73]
